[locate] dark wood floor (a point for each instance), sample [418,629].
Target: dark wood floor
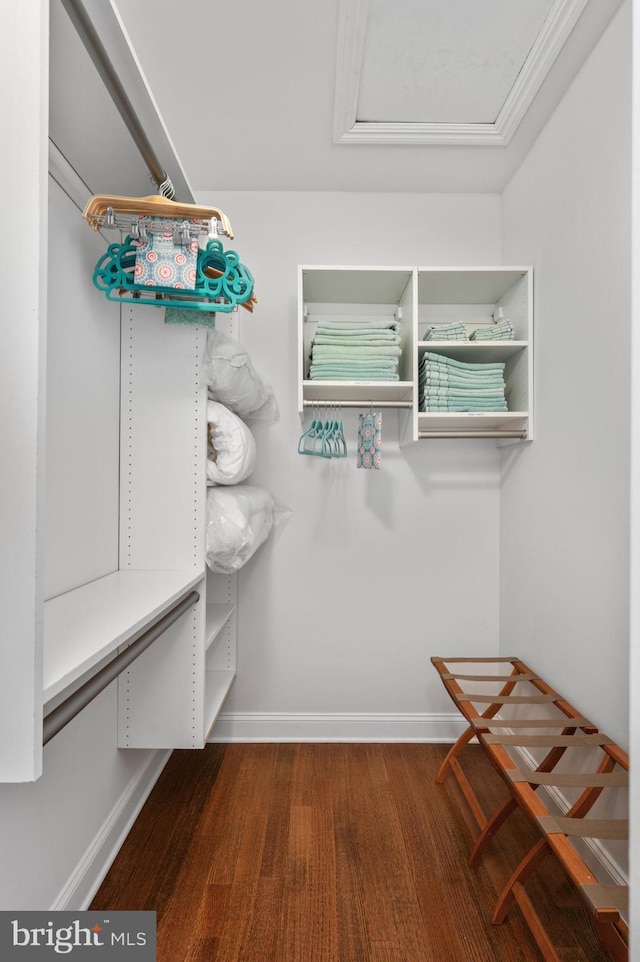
[330,853]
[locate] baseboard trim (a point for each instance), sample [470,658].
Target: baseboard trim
[84,881]
[336,727]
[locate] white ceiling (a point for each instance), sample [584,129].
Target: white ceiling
[359,95]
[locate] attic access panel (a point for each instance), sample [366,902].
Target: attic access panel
[444,72]
[425,61]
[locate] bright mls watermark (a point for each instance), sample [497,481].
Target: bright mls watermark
[78,936]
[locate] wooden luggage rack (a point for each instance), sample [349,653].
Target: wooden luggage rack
[510,712]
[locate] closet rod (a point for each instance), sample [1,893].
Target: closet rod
[60,716]
[358,404]
[472,434]
[97,51]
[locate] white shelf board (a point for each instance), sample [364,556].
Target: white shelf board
[472,350]
[217,617]
[316,390]
[83,626]
[472,420]
[216,688]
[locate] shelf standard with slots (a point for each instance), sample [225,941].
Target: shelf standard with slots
[420,298]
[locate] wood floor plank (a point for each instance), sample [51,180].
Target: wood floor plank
[331,853]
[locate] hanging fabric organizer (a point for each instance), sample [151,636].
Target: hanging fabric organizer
[368,452]
[160,263]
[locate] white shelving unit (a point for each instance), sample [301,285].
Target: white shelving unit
[162,524]
[104,502]
[421,297]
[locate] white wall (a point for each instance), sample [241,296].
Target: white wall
[376,570]
[564,549]
[59,834]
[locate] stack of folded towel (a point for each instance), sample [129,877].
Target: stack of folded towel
[494,332]
[456,331]
[450,385]
[356,350]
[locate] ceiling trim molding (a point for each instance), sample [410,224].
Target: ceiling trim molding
[347,129]
[352,28]
[561,20]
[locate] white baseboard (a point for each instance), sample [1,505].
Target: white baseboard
[336,727]
[84,881]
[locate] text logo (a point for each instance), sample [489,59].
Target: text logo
[79,936]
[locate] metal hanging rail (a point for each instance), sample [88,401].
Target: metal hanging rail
[60,716]
[97,51]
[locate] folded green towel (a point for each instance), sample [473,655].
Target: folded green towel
[364,332]
[356,361]
[445,392]
[370,324]
[435,377]
[462,386]
[493,336]
[440,360]
[464,406]
[331,350]
[356,341]
[494,332]
[349,375]
[447,332]
[354,373]
[355,365]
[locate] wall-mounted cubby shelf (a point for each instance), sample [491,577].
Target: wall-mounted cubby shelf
[420,298]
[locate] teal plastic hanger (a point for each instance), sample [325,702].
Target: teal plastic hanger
[323,438]
[114,276]
[311,440]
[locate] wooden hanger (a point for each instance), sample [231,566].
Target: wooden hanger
[154,205]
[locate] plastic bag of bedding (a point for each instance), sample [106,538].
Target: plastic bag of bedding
[239,520]
[231,447]
[233,380]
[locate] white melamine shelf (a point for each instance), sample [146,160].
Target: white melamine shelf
[83,626]
[316,390]
[217,617]
[472,420]
[217,685]
[480,351]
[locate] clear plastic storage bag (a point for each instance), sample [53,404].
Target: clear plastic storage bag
[239,520]
[233,380]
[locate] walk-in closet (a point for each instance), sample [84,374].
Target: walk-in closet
[319,370]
